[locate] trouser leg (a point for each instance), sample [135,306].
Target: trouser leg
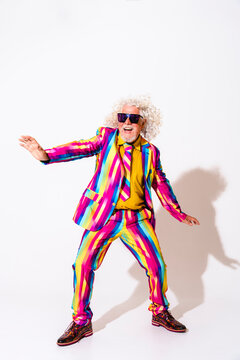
[93,248]
[140,238]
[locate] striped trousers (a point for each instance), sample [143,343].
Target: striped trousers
[135,230]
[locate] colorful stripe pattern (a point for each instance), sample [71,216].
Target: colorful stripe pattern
[135,230]
[126,159]
[164,191]
[99,199]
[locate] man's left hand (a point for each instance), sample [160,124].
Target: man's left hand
[190,220]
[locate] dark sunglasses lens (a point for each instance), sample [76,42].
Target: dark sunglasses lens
[122,117]
[134,118]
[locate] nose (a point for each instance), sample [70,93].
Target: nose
[128,122]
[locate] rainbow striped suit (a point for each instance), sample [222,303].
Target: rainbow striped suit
[95,212]
[100,197]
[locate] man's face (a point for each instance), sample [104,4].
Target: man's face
[128,131]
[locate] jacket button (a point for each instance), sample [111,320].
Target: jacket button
[113,204]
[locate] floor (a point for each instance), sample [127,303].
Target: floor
[122,324]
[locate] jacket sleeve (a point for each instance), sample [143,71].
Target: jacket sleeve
[164,191]
[76,149]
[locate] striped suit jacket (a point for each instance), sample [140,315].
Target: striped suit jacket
[100,197]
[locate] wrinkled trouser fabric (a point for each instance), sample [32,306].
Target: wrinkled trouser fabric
[135,230]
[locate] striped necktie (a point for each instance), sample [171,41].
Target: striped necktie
[126,159]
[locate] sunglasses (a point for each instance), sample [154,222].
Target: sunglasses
[133,118]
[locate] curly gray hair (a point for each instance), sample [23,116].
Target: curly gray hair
[146,109]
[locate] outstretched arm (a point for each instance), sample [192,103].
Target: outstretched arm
[66,152]
[164,191]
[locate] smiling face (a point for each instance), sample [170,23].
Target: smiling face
[128,131]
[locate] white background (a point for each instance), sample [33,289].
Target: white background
[62,65]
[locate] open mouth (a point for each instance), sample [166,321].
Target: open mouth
[127,130]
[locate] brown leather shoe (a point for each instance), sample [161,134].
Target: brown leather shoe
[74,333]
[166,320]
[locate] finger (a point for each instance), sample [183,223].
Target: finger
[27,138]
[196,221]
[26,145]
[24,140]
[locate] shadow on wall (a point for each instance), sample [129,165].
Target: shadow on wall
[185,248]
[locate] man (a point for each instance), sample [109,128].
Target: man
[118,203]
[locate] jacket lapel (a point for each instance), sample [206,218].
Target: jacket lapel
[146,157]
[146,163]
[116,149]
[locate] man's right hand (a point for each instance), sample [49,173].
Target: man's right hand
[33,147]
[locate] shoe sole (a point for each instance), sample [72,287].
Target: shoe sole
[157,324]
[88,333]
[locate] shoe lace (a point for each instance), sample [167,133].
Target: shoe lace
[168,315]
[71,328]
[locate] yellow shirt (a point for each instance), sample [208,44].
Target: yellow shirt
[136,199]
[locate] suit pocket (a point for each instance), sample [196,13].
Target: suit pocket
[90,194]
